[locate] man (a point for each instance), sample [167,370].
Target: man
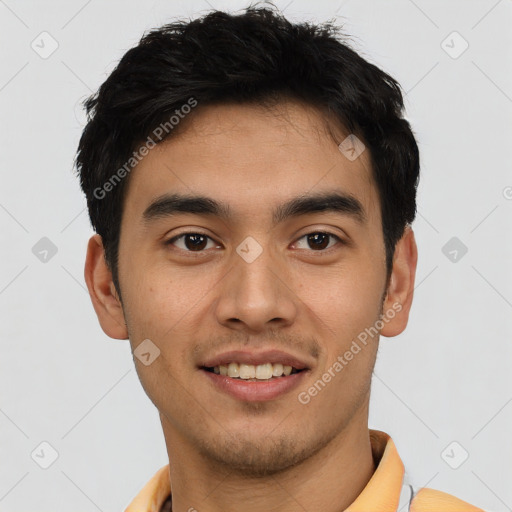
[252,184]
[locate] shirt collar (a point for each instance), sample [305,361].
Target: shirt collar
[382,492]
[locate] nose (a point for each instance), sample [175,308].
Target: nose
[256,295]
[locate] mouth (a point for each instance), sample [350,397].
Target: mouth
[255,377]
[253,373]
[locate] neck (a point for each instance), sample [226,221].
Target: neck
[329,481]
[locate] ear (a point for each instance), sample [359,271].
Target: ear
[102,291]
[398,301]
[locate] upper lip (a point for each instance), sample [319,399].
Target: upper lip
[255,358]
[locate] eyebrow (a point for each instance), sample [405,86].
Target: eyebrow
[168,205]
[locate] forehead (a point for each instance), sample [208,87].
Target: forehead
[250,158]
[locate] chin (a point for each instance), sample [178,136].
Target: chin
[261,456]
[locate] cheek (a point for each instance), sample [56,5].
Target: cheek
[167,304]
[345,309]
[164,310]
[345,300]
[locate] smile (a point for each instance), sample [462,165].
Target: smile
[254,389]
[264,371]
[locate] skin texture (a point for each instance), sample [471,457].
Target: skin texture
[279,454]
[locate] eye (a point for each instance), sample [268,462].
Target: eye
[191,242]
[319,240]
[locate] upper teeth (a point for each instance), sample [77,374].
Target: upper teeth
[250,371]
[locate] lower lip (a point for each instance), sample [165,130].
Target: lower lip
[256,391]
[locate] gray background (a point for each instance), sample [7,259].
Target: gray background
[445,379]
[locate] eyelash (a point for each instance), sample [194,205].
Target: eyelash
[171,241]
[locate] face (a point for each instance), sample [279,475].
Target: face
[240,278]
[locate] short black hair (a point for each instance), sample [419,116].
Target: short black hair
[255,57]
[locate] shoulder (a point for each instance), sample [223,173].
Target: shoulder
[430,500]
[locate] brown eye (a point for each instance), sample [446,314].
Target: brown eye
[319,241]
[191,242]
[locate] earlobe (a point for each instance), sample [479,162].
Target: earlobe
[400,290]
[102,291]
